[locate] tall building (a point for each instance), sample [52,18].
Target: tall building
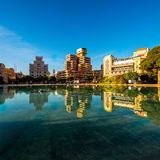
[38,68]
[77,66]
[53,72]
[81,52]
[71,62]
[113,66]
[71,65]
[84,64]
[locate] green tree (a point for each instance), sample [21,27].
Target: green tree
[152,61]
[69,79]
[131,76]
[52,79]
[88,78]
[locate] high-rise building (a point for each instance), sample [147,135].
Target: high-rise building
[71,62]
[38,68]
[84,63]
[53,72]
[77,66]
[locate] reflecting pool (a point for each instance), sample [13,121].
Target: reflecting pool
[79,123]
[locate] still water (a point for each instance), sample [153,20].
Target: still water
[79,123]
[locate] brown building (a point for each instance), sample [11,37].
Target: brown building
[61,74]
[10,73]
[96,75]
[77,66]
[84,65]
[7,73]
[71,62]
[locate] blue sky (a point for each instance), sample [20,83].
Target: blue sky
[54,28]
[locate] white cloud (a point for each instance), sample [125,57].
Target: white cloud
[14,50]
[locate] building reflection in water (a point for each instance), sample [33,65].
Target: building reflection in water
[78,102]
[118,99]
[79,99]
[159,93]
[38,99]
[6,93]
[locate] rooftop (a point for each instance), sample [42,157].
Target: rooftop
[141,49]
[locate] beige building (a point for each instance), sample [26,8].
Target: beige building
[138,57]
[38,68]
[113,66]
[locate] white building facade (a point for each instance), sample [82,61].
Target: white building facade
[113,66]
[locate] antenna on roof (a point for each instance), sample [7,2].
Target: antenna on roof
[15,67]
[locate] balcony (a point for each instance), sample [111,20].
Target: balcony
[122,65]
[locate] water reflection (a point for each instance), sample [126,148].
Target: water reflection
[77,101]
[144,102]
[116,123]
[38,100]
[6,93]
[120,100]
